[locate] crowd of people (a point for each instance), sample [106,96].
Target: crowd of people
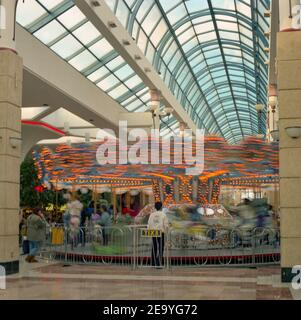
[77,219]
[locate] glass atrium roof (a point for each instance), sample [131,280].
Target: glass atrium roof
[209,53]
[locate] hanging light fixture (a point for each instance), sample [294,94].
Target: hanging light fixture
[273,101]
[259,107]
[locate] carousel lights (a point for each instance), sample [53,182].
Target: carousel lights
[168,192]
[185,189]
[74,162]
[156,190]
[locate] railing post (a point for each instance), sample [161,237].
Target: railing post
[168,250]
[134,249]
[253,242]
[66,243]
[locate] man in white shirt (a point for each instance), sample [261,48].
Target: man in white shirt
[158,221]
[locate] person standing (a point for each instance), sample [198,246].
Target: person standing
[74,208]
[158,221]
[105,221]
[36,233]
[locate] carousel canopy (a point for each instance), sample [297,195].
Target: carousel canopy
[251,158]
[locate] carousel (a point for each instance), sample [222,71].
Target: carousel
[192,203]
[253,163]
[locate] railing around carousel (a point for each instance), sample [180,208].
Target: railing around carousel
[134,247]
[89,245]
[224,247]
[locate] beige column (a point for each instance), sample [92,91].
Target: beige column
[289,89]
[10,153]
[10,138]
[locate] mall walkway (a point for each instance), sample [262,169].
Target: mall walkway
[56,281]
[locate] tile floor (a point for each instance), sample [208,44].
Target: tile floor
[56,281]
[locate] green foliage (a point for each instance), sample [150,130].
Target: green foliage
[85,199]
[103,202]
[29,197]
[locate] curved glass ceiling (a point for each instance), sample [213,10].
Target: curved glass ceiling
[61,26]
[210,53]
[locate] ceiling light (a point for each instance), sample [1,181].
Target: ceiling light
[259,107]
[168,110]
[126,42]
[273,101]
[95,3]
[112,24]
[154,105]
[293,132]
[137,57]
[15,142]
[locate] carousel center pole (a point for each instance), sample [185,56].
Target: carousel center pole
[94,198]
[56,200]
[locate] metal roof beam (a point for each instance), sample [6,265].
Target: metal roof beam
[224,61]
[101,17]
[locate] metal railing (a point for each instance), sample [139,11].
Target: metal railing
[216,246]
[181,247]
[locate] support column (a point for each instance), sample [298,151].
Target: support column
[10,136]
[7,24]
[210,183]
[289,90]
[155,107]
[287,10]
[114,201]
[128,199]
[195,186]
[176,190]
